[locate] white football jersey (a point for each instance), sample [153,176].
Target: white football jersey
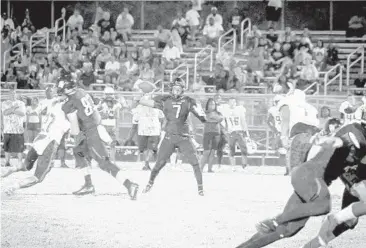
[360,113]
[234,118]
[275,112]
[148,120]
[350,115]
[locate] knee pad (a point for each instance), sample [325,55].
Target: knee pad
[109,167]
[31,158]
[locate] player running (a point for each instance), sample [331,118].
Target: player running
[236,126]
[89,135]
[44,147]
[310,181]
[176,108]
[274,122]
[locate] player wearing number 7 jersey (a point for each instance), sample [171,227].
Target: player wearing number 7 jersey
[176,108]
[90,135]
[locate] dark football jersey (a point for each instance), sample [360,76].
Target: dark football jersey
[347,155]
[83,103]
[176,112]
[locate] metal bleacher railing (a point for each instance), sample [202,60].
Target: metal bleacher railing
[230,37]
[358,51]
[18,51]
[200,58]
[338,70]
[245,27]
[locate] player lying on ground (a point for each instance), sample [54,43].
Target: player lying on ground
[44,147]
[90,135]
[326,162]
[176,108]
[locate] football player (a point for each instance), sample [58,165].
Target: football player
[326,162]
[347,110]
[360,113]
[176,108]
[44,147]
[89,136]
[274,123]
[236,127]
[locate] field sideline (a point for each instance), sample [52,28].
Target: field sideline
[171,216]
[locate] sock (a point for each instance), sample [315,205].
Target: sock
[88,180]
[127,183]
[340,229]
[345,214]
[260,240]
[198,174]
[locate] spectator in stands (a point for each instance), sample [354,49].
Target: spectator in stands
[288,47]
[105,24]
[306,33]
[253,37]
[158,68]
[171,55]
[234,20]
[131,66]
[219,78]
[356,26]
[288,32]
[87,77]
[360,82]
[90,38]
[124,82]
[27,21]
[33,120]
[325,115]
[123,53]
[146,53]
[217,17]
[193,18]
[273,12]
[7,22]
[276,58]
[176,39]
[124,24]
[75,21]
[112,68]
[197,5]
[106,39]
[162,36]
[182,25]
[332,55]
[13,112]
[256,62]
[308,75]
[319,55]
[211,33]
[225,58]
[102,58]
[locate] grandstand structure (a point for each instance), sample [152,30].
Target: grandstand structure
[332,86]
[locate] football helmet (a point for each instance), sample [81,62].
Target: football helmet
[66,85]
[177,87]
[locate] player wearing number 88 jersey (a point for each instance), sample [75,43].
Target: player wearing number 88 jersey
[176,108]
[89,135]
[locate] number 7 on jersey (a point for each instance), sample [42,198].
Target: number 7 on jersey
[178,107]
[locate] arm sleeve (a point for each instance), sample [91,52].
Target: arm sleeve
[159,102]
[69,107]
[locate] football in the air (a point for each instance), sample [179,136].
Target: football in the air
[146,87]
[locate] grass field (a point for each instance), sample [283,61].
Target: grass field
[172,215]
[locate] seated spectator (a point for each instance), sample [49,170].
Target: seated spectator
[264,43]
[158,69]
[131,66]
[123,53]
[23,82]
[124,24]
[106,39]
[162,36]
[235,20]
[225,58]
[301,55]
[332,55]
[102,58]
[193,18]
[146,74]
[124,82]
[171,55]
[306,33]
[288,47]
[215,16]
[75,21]
[211,33]
[176,39]
[105,24]
[360,82]
[288,32]
[256,62]
[276,58]
[87,77]
[146,53]
[112,67]
[356,26]
[271,35]
[182,25]
[253,37]
[308,74]
[135,53]
[305,42]
[219,78]
[90,38]
[319,56]
[77,39]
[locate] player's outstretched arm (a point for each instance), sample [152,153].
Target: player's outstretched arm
[148,103]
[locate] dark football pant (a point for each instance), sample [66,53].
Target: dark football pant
[91,145]
[185,147]
[237,137]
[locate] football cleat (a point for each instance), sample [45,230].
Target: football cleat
[133,189]
[267,226]
[85,190]
[200,190]
[146,167]
[147,188]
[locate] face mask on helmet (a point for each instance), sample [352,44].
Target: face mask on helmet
[177,88]
[65,87]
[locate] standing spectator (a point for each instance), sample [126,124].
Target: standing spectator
[75,21]
[332,55]
[7,22]
[124,24]
[217,17]
[197,5]
[235,20]
[171,55]
[360,82]
[211,33]
[105,24]
[211,134]
[13,112]
[33,120]
[273,12]
[27,21]
[176,39]
[356,26]
[182,25]
[162,36]
[193,18]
